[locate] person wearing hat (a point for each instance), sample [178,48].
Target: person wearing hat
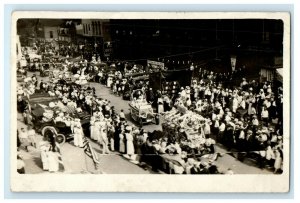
[111,131]
[150,95]
[255,123]
[122,115]
[181,135]
[188,92]
[272,109]
[278,160]
[251,108]
[103,139]
[220,135]
[129,141]
[27,117]
[229,135]
[32,136]
[183,93]
[207,130]
[93,128]
[121,140]
[53,161]
[20,165]
[216,124]
[265,116]
[244,84]
[78,133]
[160,103]
[117,135]
[44,148]
[23,136]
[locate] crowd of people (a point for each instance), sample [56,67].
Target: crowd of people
[246,119]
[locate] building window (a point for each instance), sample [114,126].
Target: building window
[96,28]
[93,28]
[51,34]
[99,27]
[83,28]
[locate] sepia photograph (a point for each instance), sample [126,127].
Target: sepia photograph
[199,96]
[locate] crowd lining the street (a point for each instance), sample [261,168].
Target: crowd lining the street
[246,119]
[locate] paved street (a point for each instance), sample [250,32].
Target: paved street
[75,160]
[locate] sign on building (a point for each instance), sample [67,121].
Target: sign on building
[108,49]
[155,64]
[233,62]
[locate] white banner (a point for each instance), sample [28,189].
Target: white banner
[233,62]
[155,64]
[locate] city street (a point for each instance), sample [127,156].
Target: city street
[76,161]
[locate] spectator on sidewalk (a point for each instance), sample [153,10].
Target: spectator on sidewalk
[20,165]
[23,136]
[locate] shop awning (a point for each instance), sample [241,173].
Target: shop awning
[279,74]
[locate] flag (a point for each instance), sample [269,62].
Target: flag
[89,150]
[233,62]
[60,161]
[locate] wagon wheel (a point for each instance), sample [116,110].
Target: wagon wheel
[46,130]
[49,132]
[60,139]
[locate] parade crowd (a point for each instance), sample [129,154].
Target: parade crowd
[246,119]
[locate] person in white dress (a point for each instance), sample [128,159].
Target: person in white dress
[53,161]
[32,136]
[78,133]
[121,145]
[97,129]
[104,139]
[160,108]
[129,141]
[92,127]
[44,148]
[121,140]
[234,104]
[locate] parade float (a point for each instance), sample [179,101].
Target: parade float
[140,110]
[52,118]
[191,126]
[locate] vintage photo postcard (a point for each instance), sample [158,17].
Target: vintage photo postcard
[150,101]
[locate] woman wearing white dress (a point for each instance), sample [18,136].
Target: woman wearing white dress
[53,161]
[44,148]
[160,108]
[234,104]
[104,139]
[129,143]
[121,145]
[92,128]
[78,134]
[97,129]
